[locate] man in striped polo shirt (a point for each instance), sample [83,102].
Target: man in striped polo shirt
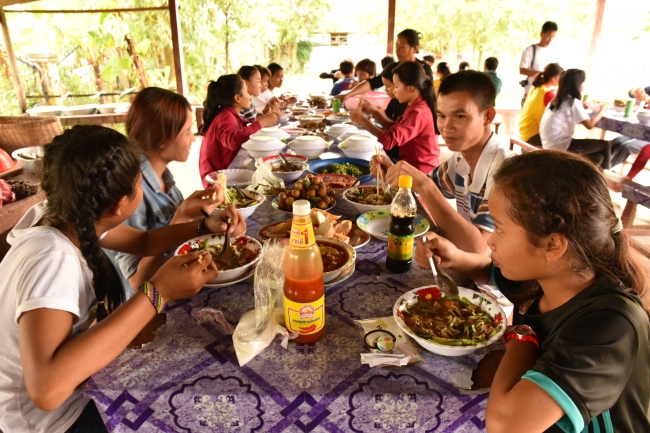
[465,113]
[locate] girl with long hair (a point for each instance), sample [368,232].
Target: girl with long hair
[442,71]
[223,129]
[415,132]
[578,356]
[540,95]
[564,112]
[56,281]
[253,79]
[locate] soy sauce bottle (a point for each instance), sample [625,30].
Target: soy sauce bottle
[401,231]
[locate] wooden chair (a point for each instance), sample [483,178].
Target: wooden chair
[525,147]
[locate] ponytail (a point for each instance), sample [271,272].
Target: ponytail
[86,171]
[539,80]
[412,74]
[220,96]
[551,71]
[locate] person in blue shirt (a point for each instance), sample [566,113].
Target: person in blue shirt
[159,122]
[347,76]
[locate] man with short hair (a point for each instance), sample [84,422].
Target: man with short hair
[466,110]
[429,59]
[347,76]
[463,66]
[490,68]
[535,57]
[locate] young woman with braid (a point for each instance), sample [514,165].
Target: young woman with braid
[56,280]
[224,130]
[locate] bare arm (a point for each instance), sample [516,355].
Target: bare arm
[358,117]
[528,72]
[378,114]
[591,123]
[471,265]
[362,88]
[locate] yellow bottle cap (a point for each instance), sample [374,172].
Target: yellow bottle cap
[405,182]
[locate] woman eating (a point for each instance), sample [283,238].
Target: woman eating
[541,94]
[415,133]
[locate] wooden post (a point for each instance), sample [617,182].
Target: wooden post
[391,27]
[177,47]
[591,54]
[18,85]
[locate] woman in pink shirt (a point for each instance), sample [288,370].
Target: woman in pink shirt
[224,130]
[415,132]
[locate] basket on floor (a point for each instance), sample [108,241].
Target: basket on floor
[17,132]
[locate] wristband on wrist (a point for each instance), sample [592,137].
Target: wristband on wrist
[202,229]
[522,333]
[152,293]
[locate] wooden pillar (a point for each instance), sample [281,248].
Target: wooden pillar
[598,22]
[18,85]
[177,47]
[390,43]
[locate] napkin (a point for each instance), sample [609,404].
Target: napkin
[402,354]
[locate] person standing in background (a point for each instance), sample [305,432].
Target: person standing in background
[429,59]
[535,57]
[490,69]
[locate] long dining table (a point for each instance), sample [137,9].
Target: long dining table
[192,381]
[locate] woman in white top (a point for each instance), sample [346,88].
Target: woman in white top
[562,115]
[56,280]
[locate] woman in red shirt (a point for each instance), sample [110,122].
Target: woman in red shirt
[415,132]
[224,130]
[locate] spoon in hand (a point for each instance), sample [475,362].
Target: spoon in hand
[441,278]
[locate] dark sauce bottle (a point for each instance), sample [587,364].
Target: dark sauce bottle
[401,231]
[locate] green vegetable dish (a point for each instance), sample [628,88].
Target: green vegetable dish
[233,197]
[347,168]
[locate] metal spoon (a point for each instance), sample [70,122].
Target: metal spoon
[441,278]
[286,163]
[245,193]
[224,257]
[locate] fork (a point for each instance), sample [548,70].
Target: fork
[441,278]
[224,257]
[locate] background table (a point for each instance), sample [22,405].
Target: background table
[194,383]
[628,126]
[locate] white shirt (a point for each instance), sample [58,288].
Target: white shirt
[543,56]
[265,96]
[557,127]
[43,269]
[259,103]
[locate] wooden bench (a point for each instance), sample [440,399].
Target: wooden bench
[525,147]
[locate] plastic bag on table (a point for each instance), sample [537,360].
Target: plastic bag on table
[258,328]
[205,315]
[263,179]
[391,346]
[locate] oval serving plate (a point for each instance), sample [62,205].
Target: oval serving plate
[376,223]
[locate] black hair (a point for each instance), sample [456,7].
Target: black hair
[569,87]
[264,72]
[429,57]
[368,66]
[463,66]
[412,74]
[575,203]
[388,71]
[491,63]
[477,84]
[86,171]
[551,71]
[387,60]
[412,37]
[247,72]
[220,96]
[549,26]
[346,67]
[443,68]
[275,68]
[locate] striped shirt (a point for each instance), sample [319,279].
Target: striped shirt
[471,194]
[249,114]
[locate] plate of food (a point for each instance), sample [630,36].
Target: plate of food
[245,253]
[288,173]
[366,199]
[310,188]
[338,182]
[312,121]
[245,204]
[325,224]
[449,326]
[234,176]
[348,166]
[376,224]
[619,105]
[337,256]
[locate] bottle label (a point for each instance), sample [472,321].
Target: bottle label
[400,247]
[302,235]
[306,318]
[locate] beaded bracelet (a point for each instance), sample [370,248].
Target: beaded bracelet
[156,299]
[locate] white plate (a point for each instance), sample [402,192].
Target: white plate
[376,224]
[347,273]
[238,280]
[236,176]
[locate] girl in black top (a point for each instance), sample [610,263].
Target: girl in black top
[581,362]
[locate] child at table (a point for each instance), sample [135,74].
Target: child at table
[265,94]
[346,68]
[56,280]
[365,70]
[224,130]
[415,132]
[465,113]
[253,79]
[540,95]
[578,357]
[564,112]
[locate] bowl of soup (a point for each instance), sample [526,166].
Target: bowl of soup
[337,256]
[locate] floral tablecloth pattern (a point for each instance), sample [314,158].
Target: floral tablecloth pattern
[193,383]
[628,126]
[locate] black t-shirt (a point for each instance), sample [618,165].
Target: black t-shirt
[376,83]
[595,357]
[394,110]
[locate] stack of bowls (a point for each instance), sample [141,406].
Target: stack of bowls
[263,146]
[353,131]
[643,116]
[272,131]
[335,131]
[310,146]
[360,146]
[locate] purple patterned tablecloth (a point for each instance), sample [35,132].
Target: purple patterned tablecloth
[193,383]
[628,126]
[637,194]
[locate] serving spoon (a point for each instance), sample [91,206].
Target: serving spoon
[441,278]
